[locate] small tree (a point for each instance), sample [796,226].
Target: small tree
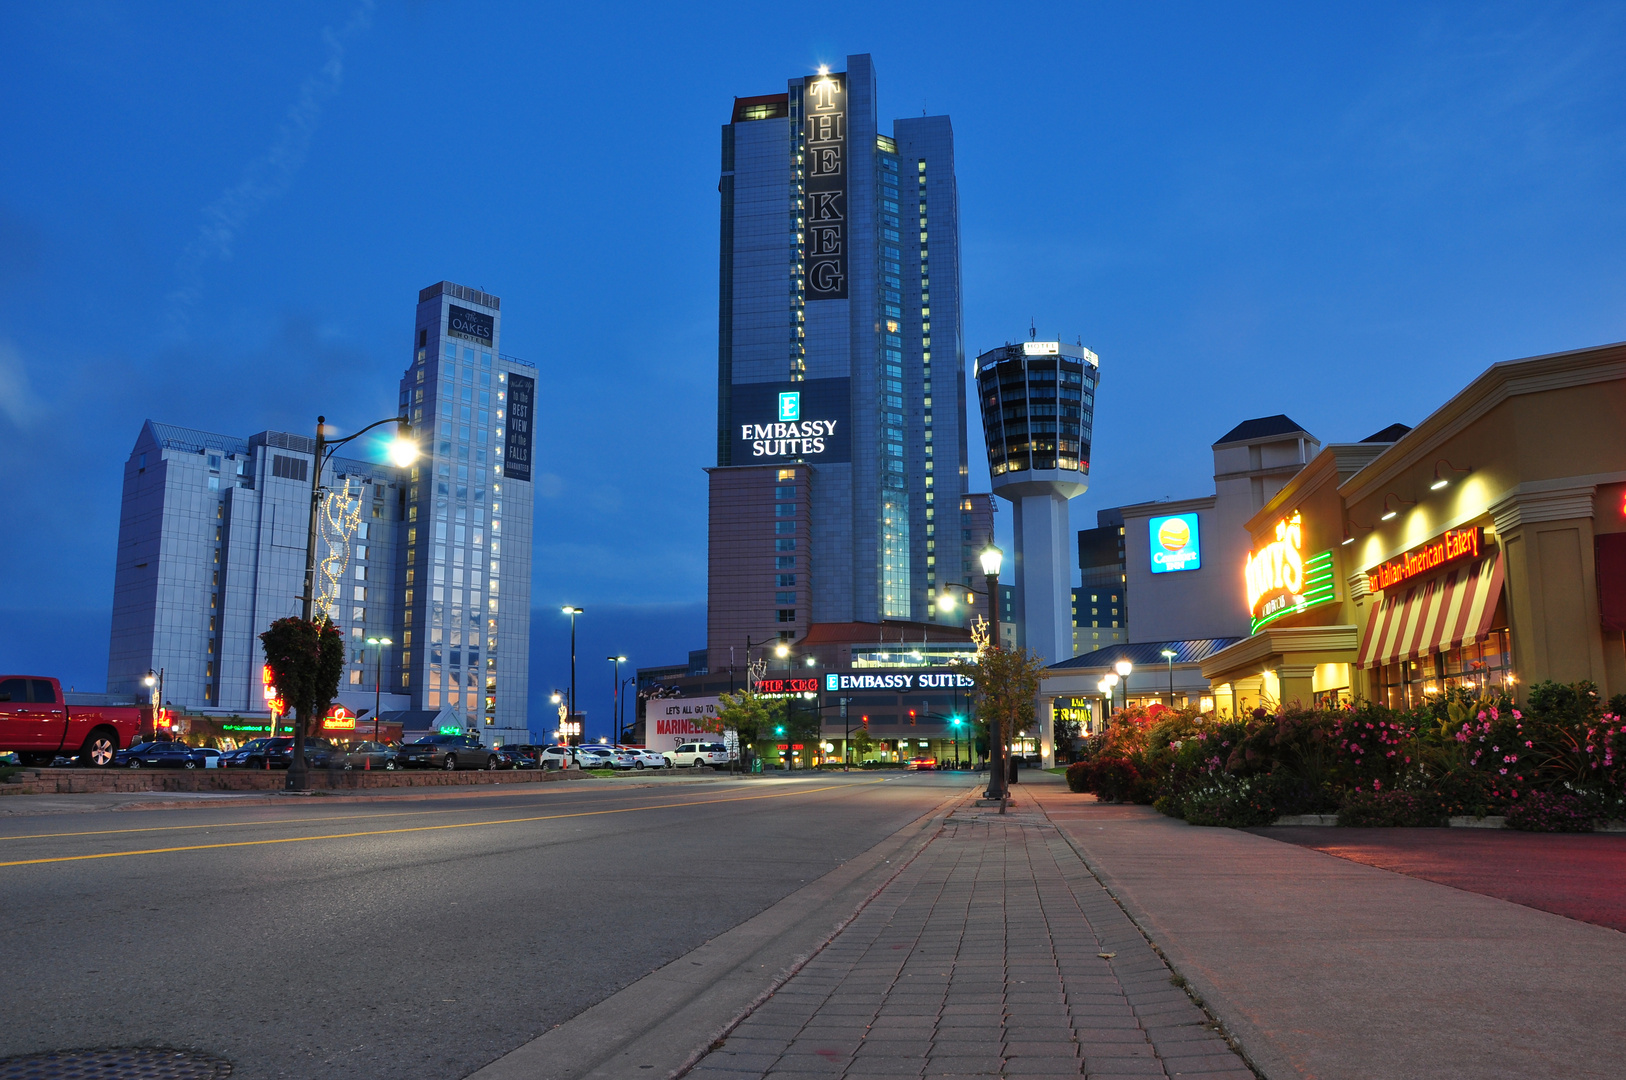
[1005,685]
[750,715]
[862,743]
[306,661]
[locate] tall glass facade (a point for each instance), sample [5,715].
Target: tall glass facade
[811,186]
[468,529]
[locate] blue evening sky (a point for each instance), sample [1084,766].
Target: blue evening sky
[219,215]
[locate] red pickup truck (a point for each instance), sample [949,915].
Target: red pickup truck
[38,723]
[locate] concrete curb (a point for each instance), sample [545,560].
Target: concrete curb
[1256,1050]
[663,1024]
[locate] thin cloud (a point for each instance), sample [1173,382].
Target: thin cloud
[17,401]
[268,176]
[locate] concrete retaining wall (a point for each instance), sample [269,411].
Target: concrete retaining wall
[74,781]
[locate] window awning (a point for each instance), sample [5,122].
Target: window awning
[1434,615]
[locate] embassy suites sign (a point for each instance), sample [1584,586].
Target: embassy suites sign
[1453,545]
[804,421]
[901,682]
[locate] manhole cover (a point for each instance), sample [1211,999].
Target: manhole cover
[119,1063]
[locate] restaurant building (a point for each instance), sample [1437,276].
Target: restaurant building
[1485,548]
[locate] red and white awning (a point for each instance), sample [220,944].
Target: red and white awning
[1434,615]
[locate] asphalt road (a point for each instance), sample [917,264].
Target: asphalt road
[413,939]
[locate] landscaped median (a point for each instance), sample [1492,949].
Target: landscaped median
[1558,764]
[77,781]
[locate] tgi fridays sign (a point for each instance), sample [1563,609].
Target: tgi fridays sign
[1453,545]
[671,721]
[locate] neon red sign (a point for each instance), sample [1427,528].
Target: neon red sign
[1454,545]
[787,686]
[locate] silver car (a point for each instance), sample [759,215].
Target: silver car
[647,759]
[595,757]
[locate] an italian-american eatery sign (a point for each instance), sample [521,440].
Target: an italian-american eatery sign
[1453,545]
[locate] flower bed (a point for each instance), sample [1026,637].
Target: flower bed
[1556,765]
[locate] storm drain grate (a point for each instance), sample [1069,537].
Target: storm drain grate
[118,1063]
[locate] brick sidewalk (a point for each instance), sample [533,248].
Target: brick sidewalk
[981,959]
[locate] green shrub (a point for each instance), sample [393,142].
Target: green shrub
[1078,776]
[1388,809]
[1229,803]
[1544,811]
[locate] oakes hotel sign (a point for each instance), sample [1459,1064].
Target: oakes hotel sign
[805,421]
[1281,581]
[470,325]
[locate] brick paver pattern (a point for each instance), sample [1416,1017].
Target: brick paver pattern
[982,958]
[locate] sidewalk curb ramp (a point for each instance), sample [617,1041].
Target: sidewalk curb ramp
[664,1023]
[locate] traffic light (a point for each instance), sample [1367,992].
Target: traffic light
[911,716]
[780,730]
[866,720]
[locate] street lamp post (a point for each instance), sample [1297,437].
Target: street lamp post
[155,680]
[621,715]
[378,678]
[991,559]
[615,694]
[1123,668]
[573,612]
[1169,655]
[403,452]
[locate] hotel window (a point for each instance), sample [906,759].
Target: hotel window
[784,562]
[787,614]
[785,581]
[785,492]
[784,545]
[784,510]
[778,527]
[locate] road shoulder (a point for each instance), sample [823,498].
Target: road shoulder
[663,1023]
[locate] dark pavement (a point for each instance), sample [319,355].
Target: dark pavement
[1581,876]
[416,939]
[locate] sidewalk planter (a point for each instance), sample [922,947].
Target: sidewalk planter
[1306,819]
[1492,821]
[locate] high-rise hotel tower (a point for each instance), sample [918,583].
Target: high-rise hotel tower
[468,529]
[841,435]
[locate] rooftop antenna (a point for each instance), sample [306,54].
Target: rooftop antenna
[1033,330]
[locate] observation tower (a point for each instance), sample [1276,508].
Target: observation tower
[1038,407]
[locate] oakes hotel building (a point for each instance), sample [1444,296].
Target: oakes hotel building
[434,557]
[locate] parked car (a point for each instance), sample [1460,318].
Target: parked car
[211,757]
[234,759]
[557,757]
[447,752]
[644,758]
[160,755]
[279,754]
[371,755]
[595,757]
[37,723]
[624,759]
[698,755]
[517,757]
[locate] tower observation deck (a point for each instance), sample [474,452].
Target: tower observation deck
[1038,408]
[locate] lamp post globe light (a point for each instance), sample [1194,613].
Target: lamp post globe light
[1123,668]
[1169,655]
[403,452]
[998,785]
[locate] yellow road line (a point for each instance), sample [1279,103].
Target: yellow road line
[295,821]
[426,828]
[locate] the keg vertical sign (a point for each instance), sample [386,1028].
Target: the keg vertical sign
[824,107]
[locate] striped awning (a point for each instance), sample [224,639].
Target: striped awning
[1434,615]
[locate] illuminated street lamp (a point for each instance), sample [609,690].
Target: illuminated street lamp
[155,681]
[1169,655]
[1123,668]
[615,695]
[403,451]
[573,612]
[991,559]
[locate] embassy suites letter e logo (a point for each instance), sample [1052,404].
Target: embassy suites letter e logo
[790,406]
[832,682]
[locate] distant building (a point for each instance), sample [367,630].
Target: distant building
[840,367]
[212,544]
[1038,409]
[1101,602]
